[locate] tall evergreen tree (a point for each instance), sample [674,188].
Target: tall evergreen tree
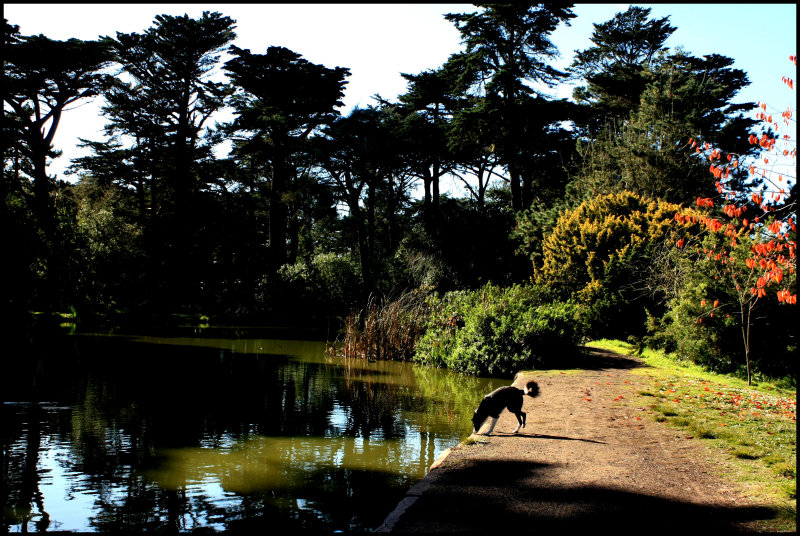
[41,78]
[365,158]
[281,100]
[428,106]
[615,69]
[508,48]
[644,105]
[158,106]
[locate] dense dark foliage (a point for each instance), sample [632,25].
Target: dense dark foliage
[312,212]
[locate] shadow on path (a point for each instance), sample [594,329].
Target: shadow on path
[495,496]
[544,436]
[595,359]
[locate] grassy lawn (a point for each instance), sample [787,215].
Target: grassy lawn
[754,428]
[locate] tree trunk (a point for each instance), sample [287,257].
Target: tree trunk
[181,259]
[427,209]
[746,339]
[293,237]
[42,186]
[527,192]
[277,218]
[435,180]
[391,203]
[516,190]
[361,236]
[371,219]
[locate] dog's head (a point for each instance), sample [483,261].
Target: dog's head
[477,420]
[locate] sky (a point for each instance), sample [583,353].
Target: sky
[377,42]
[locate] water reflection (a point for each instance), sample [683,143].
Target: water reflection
[106,433]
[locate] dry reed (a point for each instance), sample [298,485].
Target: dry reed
[384,329]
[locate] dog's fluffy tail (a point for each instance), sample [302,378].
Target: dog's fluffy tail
[532,389]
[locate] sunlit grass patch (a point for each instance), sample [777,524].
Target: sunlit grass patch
[664,410]
[745,453]
[702,430]
[472,440]
[550,372]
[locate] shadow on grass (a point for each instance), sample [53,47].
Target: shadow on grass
[495,496]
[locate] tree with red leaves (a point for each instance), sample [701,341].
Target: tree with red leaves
[747,237]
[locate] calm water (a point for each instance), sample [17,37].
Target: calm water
[134,433]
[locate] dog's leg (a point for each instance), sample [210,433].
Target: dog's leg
[521,417]
[491,427]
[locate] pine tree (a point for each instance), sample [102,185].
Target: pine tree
[281,100]
[507,52]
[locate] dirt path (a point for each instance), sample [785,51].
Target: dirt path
[584,461]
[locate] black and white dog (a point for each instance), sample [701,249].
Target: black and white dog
[495,402]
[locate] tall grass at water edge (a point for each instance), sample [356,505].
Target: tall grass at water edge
[384,329]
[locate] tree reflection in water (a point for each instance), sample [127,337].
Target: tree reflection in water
[175,434]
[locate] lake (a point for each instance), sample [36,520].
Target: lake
[217,430]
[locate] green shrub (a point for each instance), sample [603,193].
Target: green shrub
[499,331]
[599,254]
[577,253]
[327,285]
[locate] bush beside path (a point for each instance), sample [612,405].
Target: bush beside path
[592,456]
